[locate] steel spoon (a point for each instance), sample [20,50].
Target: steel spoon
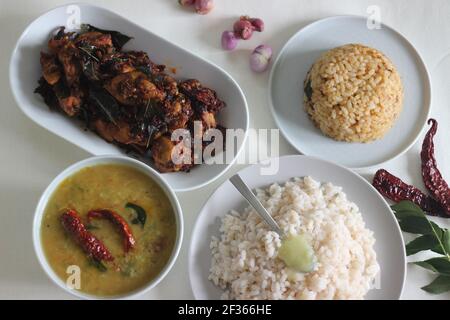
[245,191]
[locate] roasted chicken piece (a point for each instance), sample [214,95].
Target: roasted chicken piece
[50,68]
[176,112]
[208,120]
[61,39]
[63,47]
[166,83]
[202,98]
[123,62]
[164,151]
[117,63]
[120,132]
[134,88]
[71,105]
[94,39]
[123,96]
[69,99]
[201,122]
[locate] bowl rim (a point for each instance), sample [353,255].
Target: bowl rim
[94,161]
[426,72]
[15,94]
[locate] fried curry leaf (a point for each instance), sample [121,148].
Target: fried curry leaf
[47,93]
[52,94]
[308,90]
[151,130]
[119,39]
[105,103]
[99,265]
[89,68]
[61,90]
[141,215]
[146,70]
[89,62]
[89,51]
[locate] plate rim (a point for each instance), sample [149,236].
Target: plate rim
[202,214]
[428,84]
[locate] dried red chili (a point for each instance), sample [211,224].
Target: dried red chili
[86,240]
[395,189]
[119,222]
[431,175]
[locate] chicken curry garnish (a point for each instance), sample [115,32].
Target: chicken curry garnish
[123,96]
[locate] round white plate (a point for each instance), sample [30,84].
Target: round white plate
[297,57]
[376,213]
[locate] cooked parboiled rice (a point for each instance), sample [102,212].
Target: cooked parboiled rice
[353,93]
[244,259]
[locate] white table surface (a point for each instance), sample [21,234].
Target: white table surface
[30,156]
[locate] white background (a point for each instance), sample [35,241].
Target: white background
[30,157]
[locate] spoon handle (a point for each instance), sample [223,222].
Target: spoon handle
[245,191]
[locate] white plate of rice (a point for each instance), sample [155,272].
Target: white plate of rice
[393,138]
[358,246]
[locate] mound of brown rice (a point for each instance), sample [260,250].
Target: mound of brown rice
[353,93]
[244,259]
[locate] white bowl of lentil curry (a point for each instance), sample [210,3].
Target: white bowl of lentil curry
[107,227]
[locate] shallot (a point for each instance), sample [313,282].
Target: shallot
[257,23]
[260,58]
[243,29]
[200,6]
[229,40]
[203,6]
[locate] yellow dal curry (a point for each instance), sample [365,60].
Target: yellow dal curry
[111,187]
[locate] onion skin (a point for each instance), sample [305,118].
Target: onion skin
[260,58]
[258,24]
[203,6]
[243,29]
[229,40]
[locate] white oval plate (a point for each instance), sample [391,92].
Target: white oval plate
[376,213]
[25,71]
[297,57]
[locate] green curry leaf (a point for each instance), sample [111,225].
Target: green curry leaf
[141,215]
[438,264]
[446,240]
[432,237]
[406,205]
[405,209]
[424,242]
[440,285]
[99,265]
[419,225]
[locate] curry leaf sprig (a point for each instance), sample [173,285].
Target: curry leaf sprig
[412,219]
